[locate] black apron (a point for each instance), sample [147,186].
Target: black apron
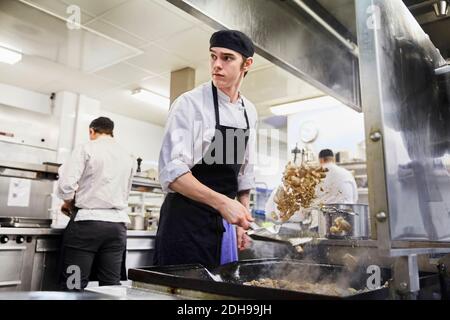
[190,231]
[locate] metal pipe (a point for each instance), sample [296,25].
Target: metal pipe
[349,44]
[422,4]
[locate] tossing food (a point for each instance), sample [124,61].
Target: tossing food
[298,189]
[328,289]
[340,227]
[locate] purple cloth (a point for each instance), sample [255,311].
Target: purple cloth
[229,252]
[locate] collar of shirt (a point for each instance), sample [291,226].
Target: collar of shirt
[329,165]
[105,136]
[223,97]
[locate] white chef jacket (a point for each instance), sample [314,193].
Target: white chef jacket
[99,173]
[190,128]
[339,186]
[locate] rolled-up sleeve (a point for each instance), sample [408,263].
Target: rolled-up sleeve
[70,174]
[246,176]
[176,156]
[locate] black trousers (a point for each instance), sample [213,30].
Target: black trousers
[88,241]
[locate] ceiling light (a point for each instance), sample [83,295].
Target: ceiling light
[9,56]
[151,98]
[441,8]
[294,107]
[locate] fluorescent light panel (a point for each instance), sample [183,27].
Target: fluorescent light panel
[151,98]
[294,107]
[9,56]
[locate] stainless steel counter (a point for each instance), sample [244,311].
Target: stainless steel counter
[97,293]
[55,295]
[125,292]
[57,231]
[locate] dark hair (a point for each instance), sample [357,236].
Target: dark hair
[102,125]
[326,153]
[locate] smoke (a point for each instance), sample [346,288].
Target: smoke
[306,272]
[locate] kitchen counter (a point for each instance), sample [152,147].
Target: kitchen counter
[32,254]
[55,295]
[126,292]
[121,292]
[58,231]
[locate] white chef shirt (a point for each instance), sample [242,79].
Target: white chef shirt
[99,173]
[190,128]
[339,186]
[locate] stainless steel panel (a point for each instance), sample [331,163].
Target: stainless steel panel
[45,271]
[40,168]
[11,266]
[31,231]
[140,243]
[48,244]
[286,33]
[408,105]
[140,250]
[39,204]
[139,258]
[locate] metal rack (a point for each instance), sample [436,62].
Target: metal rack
[145,199]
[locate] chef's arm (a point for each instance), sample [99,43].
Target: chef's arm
[69,175]
[231,210]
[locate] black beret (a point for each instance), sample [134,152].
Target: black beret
[325,153]
[102,123]
[234,40]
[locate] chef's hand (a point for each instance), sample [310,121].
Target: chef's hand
[243,240]
[234,212]
[67,207]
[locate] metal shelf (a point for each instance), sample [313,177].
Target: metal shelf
[145,185]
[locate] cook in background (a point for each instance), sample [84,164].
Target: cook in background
[94,184]
[339,185]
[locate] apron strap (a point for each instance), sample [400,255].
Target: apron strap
[216,104]
[216,107]
[245,113]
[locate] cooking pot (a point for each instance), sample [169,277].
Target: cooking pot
[138,222]
[346,221]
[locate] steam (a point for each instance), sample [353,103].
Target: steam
[346,275]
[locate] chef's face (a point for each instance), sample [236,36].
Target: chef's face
[227,67]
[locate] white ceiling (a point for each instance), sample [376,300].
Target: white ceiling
[123,44]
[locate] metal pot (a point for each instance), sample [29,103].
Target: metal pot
[355,215]
[138,222]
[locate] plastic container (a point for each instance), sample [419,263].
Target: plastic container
[261,197]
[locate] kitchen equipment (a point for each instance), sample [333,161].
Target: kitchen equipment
[139,162]
[285,236]
[25,222]
[138,222]
[195,278]
[215,277]
[255,228]
[357,215]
